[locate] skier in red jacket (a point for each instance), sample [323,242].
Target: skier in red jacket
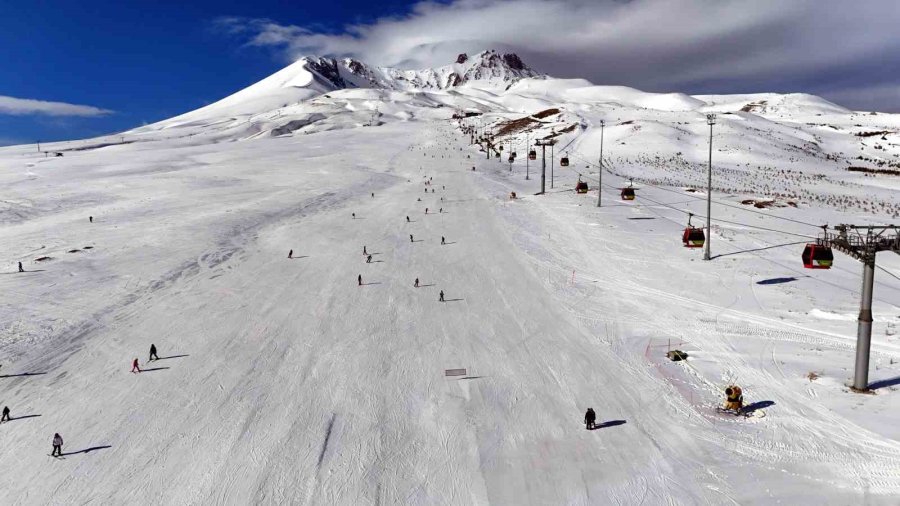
[135,367]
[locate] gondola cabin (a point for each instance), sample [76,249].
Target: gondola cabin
[627,193]
[532,155]
[693,237]
[513,154]
[564,161]
[581,186]
[511,159]
[817,256]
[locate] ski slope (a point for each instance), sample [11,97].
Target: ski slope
[282,381]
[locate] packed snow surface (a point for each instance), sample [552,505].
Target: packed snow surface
[285,381]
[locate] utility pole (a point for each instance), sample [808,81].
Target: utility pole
[863,247]
[710,120]
[600,173]
[527,155]
[543,144]
[552,157]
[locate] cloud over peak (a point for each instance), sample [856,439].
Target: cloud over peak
[25,106]
[696,46]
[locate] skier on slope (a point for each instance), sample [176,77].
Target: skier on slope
[364,251]
[359,279]
[426,210]
[416,284]
[5,417]
[291,254]
[57,445]
[589,419]
[411,238]
[354,216]
[441,296]
[91,219]
[21,269]
[153,355]
[369,259]
[443,241]
[407,219]
[135,367]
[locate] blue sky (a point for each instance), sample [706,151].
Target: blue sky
[145,61]
[75,69]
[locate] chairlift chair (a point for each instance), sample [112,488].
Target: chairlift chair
[817,256]
[693,237]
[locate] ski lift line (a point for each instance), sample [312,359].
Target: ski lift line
[716,201]
[719,219]
[889,273]
[726,221]
[733,222]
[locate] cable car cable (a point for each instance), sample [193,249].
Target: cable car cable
[716,201]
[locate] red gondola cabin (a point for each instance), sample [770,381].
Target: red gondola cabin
[693,237]
[817,256]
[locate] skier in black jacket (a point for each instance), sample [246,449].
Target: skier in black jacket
[589,418]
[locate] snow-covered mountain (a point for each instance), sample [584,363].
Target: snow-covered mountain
[486,69]
[311,76]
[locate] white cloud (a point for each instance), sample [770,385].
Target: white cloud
[25,106]
[658,45]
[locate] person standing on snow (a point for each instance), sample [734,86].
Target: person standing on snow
[407,219]
[443,241]
[589,418]
[411,238]
[364,251]
[5,417]
[354,215]
[359,279]
[91,219]
[57,445]
[426,210]
[291,254]
[135,367]
[441,296]
[21,269]
[153,355]
[369,259]
[416,284]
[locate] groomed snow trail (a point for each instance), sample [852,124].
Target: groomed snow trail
[283,381]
